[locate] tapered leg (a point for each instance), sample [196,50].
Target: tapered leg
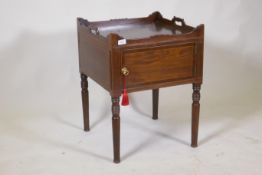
[195,114]
[85,101]
[155,95]
[116,128]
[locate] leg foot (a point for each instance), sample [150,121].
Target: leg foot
[195,114]
[155,96]
[85,101]
[116,128]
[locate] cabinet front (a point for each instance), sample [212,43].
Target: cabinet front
[158,64]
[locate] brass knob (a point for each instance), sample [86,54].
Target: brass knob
[125,71]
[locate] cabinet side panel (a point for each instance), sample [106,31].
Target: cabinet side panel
[199,56]
[94,56]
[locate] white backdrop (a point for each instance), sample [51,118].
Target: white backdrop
[40,103]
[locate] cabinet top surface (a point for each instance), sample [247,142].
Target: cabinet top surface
[141,30]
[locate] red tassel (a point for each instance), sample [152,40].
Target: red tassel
[125,100]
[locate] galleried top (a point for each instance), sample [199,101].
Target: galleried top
[138,28]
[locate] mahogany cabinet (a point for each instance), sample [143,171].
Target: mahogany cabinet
[140,54]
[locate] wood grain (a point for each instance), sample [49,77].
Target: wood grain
[154,65]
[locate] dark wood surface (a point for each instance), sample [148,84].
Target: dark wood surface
[94,58]
[85,101]
[155,51]
[145,65]
[155,96]
[195,114]
[141,30]
[116,128]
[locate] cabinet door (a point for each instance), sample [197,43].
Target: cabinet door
[158,64]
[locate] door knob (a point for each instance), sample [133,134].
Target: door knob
[125,71]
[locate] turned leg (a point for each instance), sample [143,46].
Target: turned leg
[116,128]
[155,95]
[195,114]
[85,101]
